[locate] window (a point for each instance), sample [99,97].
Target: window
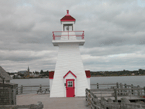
[70,84]
[68,27]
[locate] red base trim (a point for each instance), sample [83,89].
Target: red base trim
[51,75]
[88,75]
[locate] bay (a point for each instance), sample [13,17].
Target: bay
[135,80]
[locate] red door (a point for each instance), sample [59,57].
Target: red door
[70,88]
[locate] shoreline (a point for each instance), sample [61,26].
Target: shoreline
[117,76]
[91,76]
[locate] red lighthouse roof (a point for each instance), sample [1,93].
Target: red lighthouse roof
[67,18]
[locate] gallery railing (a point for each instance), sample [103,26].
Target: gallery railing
[68,34]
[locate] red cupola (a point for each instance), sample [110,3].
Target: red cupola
[68,18]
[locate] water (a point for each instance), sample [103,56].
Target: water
[29,82]
[135,80]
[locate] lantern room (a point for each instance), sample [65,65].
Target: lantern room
[68,22]
[68,33]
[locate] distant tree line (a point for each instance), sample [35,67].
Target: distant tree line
[44,73]
[26,74]
[118,73]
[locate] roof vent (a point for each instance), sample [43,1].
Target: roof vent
[67,12]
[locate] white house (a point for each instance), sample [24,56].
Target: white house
[70,78]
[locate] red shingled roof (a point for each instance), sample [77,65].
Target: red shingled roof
[67,17]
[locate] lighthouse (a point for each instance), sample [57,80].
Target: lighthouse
[69,78]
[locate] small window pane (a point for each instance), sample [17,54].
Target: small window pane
[70,83]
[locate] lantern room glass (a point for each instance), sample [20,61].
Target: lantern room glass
[68,27]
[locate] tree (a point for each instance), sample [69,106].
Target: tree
[36,72]
[41,72]
[14,77]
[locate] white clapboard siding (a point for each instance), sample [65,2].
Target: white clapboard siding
[88,82]
[50,83]
[69,59]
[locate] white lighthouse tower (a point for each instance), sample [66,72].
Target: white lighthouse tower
[69,79]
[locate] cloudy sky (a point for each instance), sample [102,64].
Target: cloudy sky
[114,33]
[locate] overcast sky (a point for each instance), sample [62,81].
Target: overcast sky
[114,33]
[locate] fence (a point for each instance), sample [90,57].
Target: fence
[103,86]
[117,90]
[33,89]
[8,94]
[95,97]
[31,106]
[96,103]
[92,100]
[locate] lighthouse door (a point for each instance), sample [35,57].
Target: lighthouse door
[70,88]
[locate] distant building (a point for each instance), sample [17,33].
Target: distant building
[4,76]
[132,74]
[24,73]
[12,74]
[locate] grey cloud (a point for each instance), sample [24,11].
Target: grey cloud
[110,50]
[111,27]
[25,55]
[115,63]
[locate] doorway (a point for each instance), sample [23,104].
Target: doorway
[70,88]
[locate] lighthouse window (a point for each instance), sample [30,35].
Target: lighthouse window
[67,27]
[70,84]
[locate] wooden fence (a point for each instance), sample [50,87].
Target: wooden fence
[117,90]
[92,100]
[95,103]
[8,94]
[97,97]
[31,106]
[33,89]
[103,86]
